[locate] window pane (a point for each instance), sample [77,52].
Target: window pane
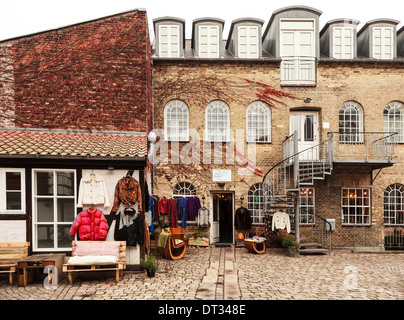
[65,210]
[44,210]
[64,240]
[45,236]
[44,183]
[13,201]
[65,181]
[13,181]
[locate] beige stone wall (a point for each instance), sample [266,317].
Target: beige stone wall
[373,85]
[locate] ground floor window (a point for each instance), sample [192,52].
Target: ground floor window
[306,206]
[256,203]
[394,204]
[54,198]
[184,189]
[12,191]
[356,206]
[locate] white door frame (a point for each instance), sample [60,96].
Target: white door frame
[299,121]
[214,225]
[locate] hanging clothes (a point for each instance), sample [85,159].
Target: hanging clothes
[163,206]
[92,191]
[150,214]
[129,228]
[182,210]
[280,220]
[193,205]
[128,192]
[91,225]
[203,217]
[243,219]
[173,212]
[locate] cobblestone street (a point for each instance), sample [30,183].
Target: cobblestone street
[234,274]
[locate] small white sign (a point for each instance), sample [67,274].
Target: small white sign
[326,125]
[221,175]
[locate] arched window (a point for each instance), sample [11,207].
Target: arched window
[217,122]
[351,122]
[393,120]
[394,204]
[184,189]
[256,203]
[258,122]
[176,121]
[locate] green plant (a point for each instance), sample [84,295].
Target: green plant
[149,263]
[197,235]
[291,245]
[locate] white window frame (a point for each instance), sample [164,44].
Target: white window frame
[176,111]
[258,121]
[353,206]
[55,223]
[213,117]
[171,47]
[383,46]
[209,41]
[248,54]
[343,52]
[184,189]
[3,191]
[256,208]
[307,206]
[393,120]
[350,131]
[394,205]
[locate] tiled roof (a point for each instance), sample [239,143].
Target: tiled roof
[72,144]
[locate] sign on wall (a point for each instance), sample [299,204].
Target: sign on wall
[221,175]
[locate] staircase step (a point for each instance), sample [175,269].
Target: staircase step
[314,251]
[311,244]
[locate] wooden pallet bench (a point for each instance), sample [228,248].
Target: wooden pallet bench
[10,254]
[96,256]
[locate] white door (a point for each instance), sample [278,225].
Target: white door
[306,125]
[214,230]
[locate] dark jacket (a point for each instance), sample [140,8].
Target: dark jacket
[243,219]
[129,228]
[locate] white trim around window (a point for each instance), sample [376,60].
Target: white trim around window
[343,42]
[258,122]
[248,42]
[169,41]
[176,121]
[217,122]
[12,191]
[383,43]
[53,208]
[209,45]
[356,206]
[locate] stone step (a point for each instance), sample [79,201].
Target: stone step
[314,251]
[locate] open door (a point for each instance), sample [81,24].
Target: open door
[306,125]
[222,224]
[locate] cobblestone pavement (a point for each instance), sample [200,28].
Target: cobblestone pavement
[234,274]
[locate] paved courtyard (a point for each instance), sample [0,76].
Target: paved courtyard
[234,274]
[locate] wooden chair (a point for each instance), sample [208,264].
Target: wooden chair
[176,245]
[258,247]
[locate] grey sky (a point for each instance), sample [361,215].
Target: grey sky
[22,17]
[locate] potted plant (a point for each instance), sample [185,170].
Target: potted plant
[198,239]
[291,246]
[150,265]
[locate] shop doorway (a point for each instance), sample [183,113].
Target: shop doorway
[222,208]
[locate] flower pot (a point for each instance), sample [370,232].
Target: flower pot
[150,273]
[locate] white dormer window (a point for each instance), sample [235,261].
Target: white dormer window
[343,43]
[248,42]
[169,41]
[382,41]
[209,41]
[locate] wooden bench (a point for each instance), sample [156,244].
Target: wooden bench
[10,254]
[96,257]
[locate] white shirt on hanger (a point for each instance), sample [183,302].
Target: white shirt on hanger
[280,220]
[92,191]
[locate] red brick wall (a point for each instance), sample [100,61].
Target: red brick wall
[93,76]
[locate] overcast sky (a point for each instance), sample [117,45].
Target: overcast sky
[23,17]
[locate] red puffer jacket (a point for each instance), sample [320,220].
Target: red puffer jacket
[91,225]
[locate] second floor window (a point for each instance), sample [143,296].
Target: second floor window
[258,122]
[351,122]
[176,121]
[393,120]
[343,42]
[217,122]
[209,42]
[169,41]
[382,43]
[248,42]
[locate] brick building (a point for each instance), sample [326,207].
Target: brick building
[75,101]
[334,151]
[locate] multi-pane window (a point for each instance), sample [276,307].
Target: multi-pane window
[256,203]
[393,120]
[351,122]
[356,206]
[169,41]
[306,206]
[394,204]
[343,42]
[184,189]
[258,122]
[176,121]
[12,191]
[53,200]
[217,122]
[209,41]
[382,41]
[248,42]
